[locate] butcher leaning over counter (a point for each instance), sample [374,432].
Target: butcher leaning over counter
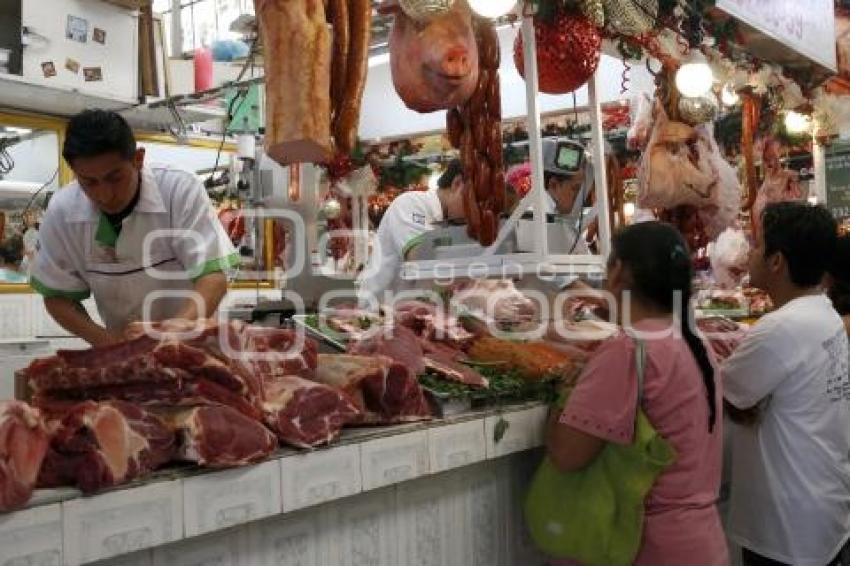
[124,230]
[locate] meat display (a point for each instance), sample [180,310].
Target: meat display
[304,413]
[218,437]
[383,390]
[534,361]
[98,445]
[432,323]
[496,300]
[722,334]
[297,44]
[475,128]
[435,63]
[23,444]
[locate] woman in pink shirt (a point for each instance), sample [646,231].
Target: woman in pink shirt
[650,265]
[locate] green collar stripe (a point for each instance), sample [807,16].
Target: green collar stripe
[226,263]
[412,243]
[106,233]
[50,293]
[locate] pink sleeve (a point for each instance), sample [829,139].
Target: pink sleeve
[604,400]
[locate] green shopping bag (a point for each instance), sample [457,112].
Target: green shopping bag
[595,515]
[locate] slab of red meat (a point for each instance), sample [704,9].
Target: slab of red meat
[431,322]
[23,444]
[722,334]
[385,391]
[99,445]
[305,413]
[456,371]
[276,352]
[398,343]
[185,392]
[218,436]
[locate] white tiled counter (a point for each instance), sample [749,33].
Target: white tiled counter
[444,493]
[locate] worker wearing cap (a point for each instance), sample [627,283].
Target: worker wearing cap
[402,228]
[142,240]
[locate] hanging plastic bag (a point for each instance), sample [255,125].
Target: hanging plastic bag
[729,256]
[725,210]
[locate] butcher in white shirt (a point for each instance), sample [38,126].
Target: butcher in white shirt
[407,219]
[791,461]
[142,239]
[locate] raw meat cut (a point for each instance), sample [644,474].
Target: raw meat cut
[275,352]
[297,54]
[431,322]
[180,393]
[304,413]
[99,445]
[722,334]
[398,343]
[495,299]
[455,371]
[23,443]
[217,437]
[383,390]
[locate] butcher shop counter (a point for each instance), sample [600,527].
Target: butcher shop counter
[445,492]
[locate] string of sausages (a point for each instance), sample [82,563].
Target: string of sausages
[475,128]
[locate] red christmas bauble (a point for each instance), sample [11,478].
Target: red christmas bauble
[568,51]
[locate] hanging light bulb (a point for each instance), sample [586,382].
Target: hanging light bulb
[694,78]
[728,96]
[492,8]
[797,123]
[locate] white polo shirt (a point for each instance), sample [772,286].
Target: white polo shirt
[408,217]
[80,254]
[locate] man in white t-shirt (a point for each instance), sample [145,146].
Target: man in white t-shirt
[405,222]
[791,466]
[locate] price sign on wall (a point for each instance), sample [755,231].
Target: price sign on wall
[838,181]
[806,26]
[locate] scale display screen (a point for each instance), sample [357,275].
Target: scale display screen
[569,157]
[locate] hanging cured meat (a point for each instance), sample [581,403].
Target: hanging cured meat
[297,45]
[475,127]
[434,62]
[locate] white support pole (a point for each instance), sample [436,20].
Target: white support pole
[599,169]
[819,166]
[541,247]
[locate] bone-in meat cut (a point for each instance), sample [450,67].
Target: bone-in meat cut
[23,443]
[383,390]
[305,413]
[218,437]
[99,445]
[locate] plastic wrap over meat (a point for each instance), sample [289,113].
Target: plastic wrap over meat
[729,256]
[304,413]
[724,212]
[99,445]
[23,444]
[638,134]
[674,170]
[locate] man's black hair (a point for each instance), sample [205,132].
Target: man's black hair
[806,235]
[839,269]
[448,177]
[97,132]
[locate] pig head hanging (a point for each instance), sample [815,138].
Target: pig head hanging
[434,61]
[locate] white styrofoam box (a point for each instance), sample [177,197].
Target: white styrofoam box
[429,522]
[121,522]
[526,429]
[456,445]
[32,536]
[394,459]
[365,530]
[16,316]
[228,548]
[317,477]
[297,539]
[224,499]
